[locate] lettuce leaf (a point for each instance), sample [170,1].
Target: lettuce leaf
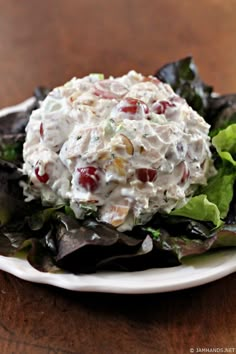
[220,189]
[225,144]
[184,78]
[87,246]
[200,208]
[182,246]
[221,112]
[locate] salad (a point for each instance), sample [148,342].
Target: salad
[121,173]
[125,147]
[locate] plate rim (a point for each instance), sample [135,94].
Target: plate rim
[198,270]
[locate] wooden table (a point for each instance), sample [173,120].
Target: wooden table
[47,43]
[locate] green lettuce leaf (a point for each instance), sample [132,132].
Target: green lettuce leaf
[220,189]
[200,208]
[225,144]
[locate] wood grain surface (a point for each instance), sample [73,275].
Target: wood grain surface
[49,41]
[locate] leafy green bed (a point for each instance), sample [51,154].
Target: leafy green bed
[52,239]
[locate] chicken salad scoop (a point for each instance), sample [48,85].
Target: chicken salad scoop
[124,148]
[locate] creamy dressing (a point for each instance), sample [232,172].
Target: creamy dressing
[127,147]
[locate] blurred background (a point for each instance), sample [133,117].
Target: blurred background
[48,42]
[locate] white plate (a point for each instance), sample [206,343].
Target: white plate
[196,271]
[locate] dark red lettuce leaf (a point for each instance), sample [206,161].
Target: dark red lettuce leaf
[40,257]
[12,238]
[183,77]
[11,196]
[12,129]
[225,237]
[179,225]
[40,94]
[221,112]
[182,246]
[87,246]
